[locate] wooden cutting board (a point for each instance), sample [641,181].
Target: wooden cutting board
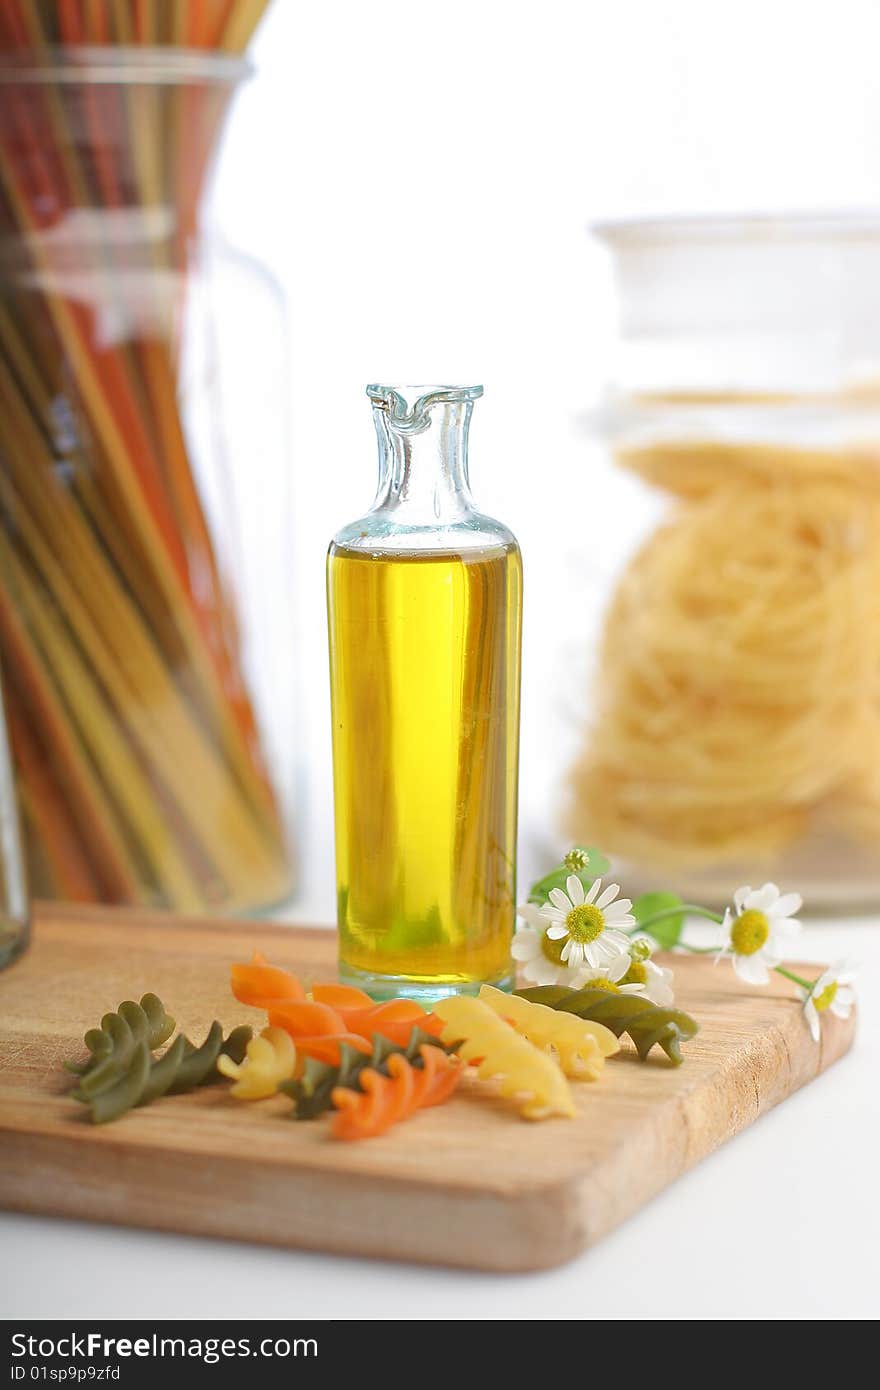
[466,1184]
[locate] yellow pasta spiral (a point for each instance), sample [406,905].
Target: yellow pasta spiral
[739,674]
[580,1045]
[499,1053]
[268,1060]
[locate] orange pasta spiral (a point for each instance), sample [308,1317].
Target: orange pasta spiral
[383,1101]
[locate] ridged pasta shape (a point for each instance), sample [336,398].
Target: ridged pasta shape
[580,1045]
[112,1044]
[122,1072]
[501,1053]
[383,1101]
[646,1023]
[269,1060]
[394,1019]
[312,1092]
[258,983]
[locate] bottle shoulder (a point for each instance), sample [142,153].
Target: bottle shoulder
[375,533]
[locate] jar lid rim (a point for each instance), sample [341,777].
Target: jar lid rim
[123,64]
[793,225]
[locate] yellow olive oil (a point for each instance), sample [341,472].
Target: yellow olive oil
[424,656]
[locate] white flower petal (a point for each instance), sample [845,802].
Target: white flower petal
[525,945]
[845,995]
[552,914]
[575,889]
[608,895]
[560,900]
[786,926]
[620,908]
[593,891]
[529,912]
[576,956]
[557,931]
[626,919]
[659,993]
[566,950]
[765,898]
[614,941]
[618,966]
[739,898]
[751,969]
[788,904]
[631,989]
[542,972]
[812,1018]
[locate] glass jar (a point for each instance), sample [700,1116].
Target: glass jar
[734,731]
[424,602]
[14,908]
[145,631]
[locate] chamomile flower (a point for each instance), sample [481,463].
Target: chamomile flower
[588,924]
[539,957]
[832,992]
[612,977]
[654,981]
[757,933]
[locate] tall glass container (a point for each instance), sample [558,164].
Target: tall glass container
[732,729]
[14,907]
[425,601]
[140,398]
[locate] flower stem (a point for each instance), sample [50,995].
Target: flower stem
[808,985]
[681,910]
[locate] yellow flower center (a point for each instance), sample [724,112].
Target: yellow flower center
[749,932]
[585,923]
[600,983]
[552,949]
[636,975]
[823,1001]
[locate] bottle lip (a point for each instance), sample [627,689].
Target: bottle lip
[391,397]
[123,65]
[404,418]
[836,224]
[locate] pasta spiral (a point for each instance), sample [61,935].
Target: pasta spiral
[500,1053]
[312,1092]
[122,1072]
[112,1044]
[581,1045]
[383,1101]
[646,1023]
[269,1060]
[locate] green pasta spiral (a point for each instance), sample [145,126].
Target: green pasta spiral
[646,1023]
[121,1071]
[311,1092]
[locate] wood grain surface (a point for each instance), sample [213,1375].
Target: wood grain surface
[467,1184]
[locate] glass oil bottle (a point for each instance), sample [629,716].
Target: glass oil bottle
[424,606]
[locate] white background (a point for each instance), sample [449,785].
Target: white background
[419,177]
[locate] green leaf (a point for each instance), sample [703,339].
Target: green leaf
[597,865]
[667,930]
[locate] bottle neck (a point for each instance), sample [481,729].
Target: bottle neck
[423,459]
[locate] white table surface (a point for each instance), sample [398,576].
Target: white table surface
[781,1223]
